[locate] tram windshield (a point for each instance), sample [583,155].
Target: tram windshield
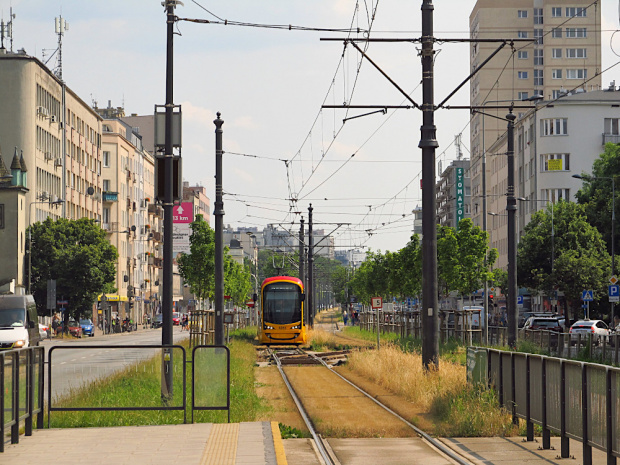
[282,303]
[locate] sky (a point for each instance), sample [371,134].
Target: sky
[361,176]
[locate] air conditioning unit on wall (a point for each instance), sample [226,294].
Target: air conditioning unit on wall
[58,162]
[54,119]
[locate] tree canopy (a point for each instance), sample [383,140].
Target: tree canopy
[580,259]
[198,267]
[78,256]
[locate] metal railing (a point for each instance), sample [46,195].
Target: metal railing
[53,402]
[575,400]
[214,375]
[21,391]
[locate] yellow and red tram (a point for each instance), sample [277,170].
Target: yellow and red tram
[282,311]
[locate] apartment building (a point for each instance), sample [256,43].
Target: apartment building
[58,138]
[552,143]
[130,217]
[562,53]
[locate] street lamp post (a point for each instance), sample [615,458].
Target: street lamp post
[613,226]
[533,98]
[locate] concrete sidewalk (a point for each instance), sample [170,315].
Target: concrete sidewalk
[198,444]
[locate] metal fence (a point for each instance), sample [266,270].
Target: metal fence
[454,324]
[211,382]
[21,391]
[575,400]
[80,372]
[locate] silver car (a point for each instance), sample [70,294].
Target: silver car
[598,329]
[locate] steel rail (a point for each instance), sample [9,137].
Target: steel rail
[317,438]
[435,443]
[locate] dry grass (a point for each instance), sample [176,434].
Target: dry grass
[457,408]
[402,374]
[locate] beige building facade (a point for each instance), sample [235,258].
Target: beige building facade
[563,54]
[59,137]
[131,219]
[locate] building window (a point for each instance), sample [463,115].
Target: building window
[523,95]
[556,33]
[522,13]
[555,195]
[576,74]
[538,35]
[555,162]
[538,15]
[522,34]
[522,74]
[554,127]
[575,12]
[557,53]
[557,94]
[523,54]
[576,53]
[106,159]
[538,77]
[612,126]
[576,33]
[106,185]
[556,74]
[538,57]
[556,12]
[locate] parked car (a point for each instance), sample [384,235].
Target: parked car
[597,328]
[43,331]
[158,320]
[74,328]
[524,316]
[544,323]
[88,328]
[176,318]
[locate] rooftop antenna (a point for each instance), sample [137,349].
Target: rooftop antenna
[61,27]
[6,29]
[457,143]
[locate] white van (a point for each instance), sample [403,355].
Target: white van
[18,322]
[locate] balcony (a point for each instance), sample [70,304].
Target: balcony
[613,138]
[110,226]
[110,196]
[156,210]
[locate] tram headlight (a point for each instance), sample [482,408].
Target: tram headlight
[296,327]
[269,327]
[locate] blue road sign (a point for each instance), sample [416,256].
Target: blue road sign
[587,296]
[614,293]
[519,300]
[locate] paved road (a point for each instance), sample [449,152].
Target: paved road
[77,362]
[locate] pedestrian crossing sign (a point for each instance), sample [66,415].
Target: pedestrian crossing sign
[587,296]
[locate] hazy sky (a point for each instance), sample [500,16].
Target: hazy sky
[269,84]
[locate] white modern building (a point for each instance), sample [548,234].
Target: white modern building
[553,142]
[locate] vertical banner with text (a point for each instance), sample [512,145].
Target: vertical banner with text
[182,217]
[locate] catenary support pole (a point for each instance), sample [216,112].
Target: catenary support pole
[219,236]
[166,335]
[309,292]
[301,265]
[511,208]
[428,144]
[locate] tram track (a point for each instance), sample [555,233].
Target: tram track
[301,358]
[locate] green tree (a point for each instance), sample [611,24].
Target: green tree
[464,258]
[78,256]
[407,270]
[237,280]
[198,267]
[595,193]
[580,260]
